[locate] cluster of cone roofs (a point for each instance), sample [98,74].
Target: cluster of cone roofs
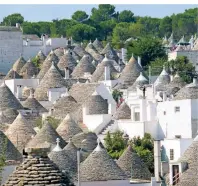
[61,68]
[57,149]
[182,44]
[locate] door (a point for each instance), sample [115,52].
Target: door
[175,174]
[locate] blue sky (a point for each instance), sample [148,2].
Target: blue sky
[49,12]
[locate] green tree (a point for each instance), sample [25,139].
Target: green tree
[81,32]
[181,65]
[106,28]
[126,16]
[124,31]
[165,26]
[115,144]
[145,149]
[148,48]
[80,16]
[12,19]
[116,95]
[157,66]
[184,67]
[103,13]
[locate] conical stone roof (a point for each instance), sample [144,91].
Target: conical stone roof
[98,45]
[7,148]
[46,137]
[84,66]
[59,52]
[99,74]
[133,166]
[17,66]
[33,104]
[7,116]
[80,50]
[176,82]
[139,82]
[190,91]
[131,72]
[96,105]
[68,128]
[20,132]
[123,112]
[99,166]
[190,152]
[29,70]
[12,75]
[36,170]
[47,64]
[71,150]
[7,99]
[87,141]
[94,53]
[64,161]
[67,60]
[40,57]
[110,52]
[64,105]
[162,81]
[52,79]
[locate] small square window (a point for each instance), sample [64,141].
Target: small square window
[177,109]
[137,116]
[171,154]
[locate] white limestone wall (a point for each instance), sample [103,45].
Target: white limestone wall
[103,91]
[10,49]
[175,123]
[95,123]
[131,128]
[13,83]
[178,145]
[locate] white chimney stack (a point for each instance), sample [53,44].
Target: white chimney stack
[17,25]
[66,73]
[139,61]
[157,159]
[164,96]
[107,73]
[195,81]
[19,92]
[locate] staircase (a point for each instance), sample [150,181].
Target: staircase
[107,127]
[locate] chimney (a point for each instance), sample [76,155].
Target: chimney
[107,73]
[66,73]
[195,81]
[17,25]
[139,61]
[19,91]
[164,96]
[157,159]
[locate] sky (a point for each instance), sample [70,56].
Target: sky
[48,12]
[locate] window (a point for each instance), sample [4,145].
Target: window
[137,116]
[171,154]
[164,112]
[177,109]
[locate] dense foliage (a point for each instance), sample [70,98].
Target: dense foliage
[107,24]
[116,143]
[181,65]
[149,48]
